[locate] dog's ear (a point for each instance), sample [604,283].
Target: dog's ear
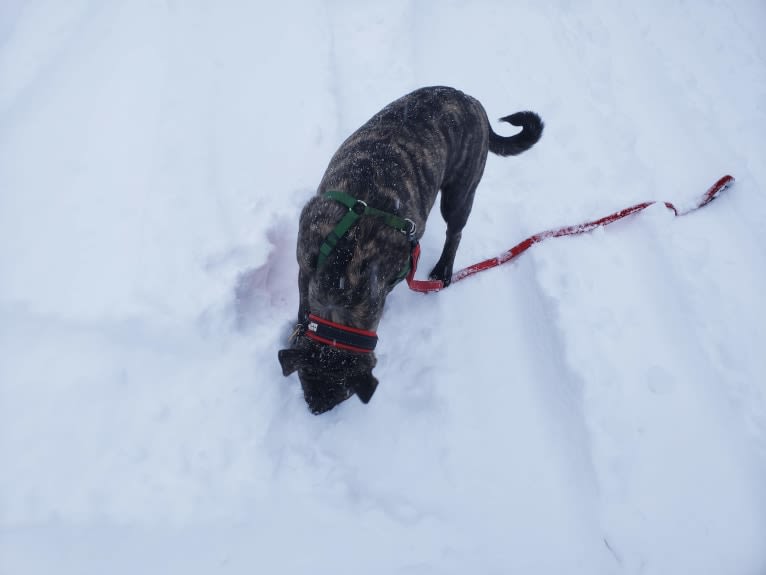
[290,360]
[364,386]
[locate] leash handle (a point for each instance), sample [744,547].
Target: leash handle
[430,286]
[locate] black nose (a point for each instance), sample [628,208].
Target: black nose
[323,396]
[318,408]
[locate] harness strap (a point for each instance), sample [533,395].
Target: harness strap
[334,334]
[348,220]
[357,209]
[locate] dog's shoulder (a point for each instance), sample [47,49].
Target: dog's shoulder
[318,217]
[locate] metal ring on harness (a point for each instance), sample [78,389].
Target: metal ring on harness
[359,207]
[410,233]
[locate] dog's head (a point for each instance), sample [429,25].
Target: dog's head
[328,375]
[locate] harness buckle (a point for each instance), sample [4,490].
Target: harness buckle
[359,207]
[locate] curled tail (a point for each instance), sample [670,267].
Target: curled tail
[532,129]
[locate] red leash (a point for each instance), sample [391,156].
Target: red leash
[427,286]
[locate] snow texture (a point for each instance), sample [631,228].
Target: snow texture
[596,407]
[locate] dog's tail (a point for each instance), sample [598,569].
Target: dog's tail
[532,129]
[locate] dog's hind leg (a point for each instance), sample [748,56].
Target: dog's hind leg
[456,203]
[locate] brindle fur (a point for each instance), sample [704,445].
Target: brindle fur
[434,139]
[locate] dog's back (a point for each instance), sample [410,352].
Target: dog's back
[406,152]
[432,139]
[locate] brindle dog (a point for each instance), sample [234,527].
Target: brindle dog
[434,139]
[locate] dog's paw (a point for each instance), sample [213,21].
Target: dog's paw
[441,274]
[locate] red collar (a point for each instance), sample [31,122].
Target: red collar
[340,336]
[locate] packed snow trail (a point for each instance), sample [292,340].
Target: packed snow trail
[598,406]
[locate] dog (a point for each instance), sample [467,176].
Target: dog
[356,235]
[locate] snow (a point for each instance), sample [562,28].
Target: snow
[598,406]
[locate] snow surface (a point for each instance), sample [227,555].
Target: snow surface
[597,407]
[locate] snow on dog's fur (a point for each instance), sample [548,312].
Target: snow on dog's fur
[434,139]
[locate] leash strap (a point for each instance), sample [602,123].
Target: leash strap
[429,286]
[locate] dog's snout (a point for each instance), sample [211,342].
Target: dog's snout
[322,395]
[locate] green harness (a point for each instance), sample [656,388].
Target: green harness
[357,209]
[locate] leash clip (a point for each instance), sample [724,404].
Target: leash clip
[297,332]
